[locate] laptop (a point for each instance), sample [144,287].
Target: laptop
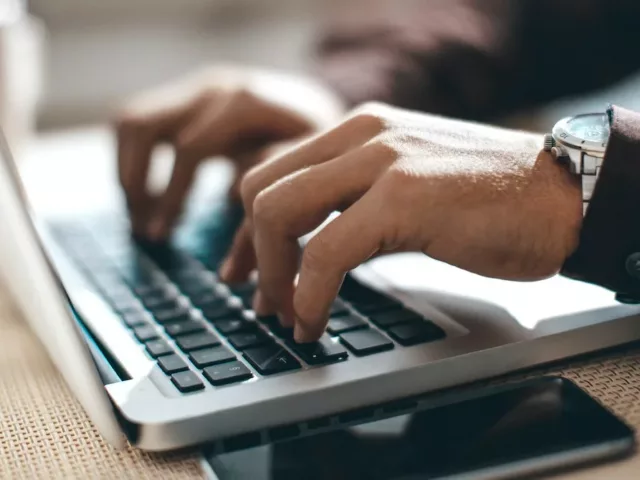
[159,351]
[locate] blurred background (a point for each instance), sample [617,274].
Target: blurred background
[76,60]
[98,52]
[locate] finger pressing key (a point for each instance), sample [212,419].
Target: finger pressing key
[347,241]
[295,206]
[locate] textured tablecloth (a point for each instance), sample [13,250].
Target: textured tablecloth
[44,433]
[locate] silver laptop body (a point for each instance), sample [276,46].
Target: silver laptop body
[490,327]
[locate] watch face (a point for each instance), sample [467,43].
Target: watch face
[591,127]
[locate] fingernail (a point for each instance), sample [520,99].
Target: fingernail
[155,229]
[301,334]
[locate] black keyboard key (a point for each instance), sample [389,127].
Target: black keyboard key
[394,317]
[200,293]
[157,348]
[194,286]
[172,315]
[166,256]
[136,319]
[241,289]
[366,342]
[325,350]
[345,324]
[244,291]
[218,310]
[172,364]
[183,328]
[145,333]
[241,341]
[225,373]
[366,299]
[205,299]
[420,331]
[156,293]
[156,304]
[211,356]
[137,271]
[169,306]
[124,305]
[273,323]
[271,359]
[187,382]
[338,309]
[379,304]
[144,291]
[189,273]
[195,341]
[234,325]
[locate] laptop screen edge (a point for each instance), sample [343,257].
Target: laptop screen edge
[39,293]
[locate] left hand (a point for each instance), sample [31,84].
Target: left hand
[236,112]
[484,199]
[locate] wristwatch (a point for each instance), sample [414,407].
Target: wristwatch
[582,141]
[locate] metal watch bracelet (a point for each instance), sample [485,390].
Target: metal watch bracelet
[589,172]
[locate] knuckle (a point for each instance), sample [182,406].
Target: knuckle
[242,94]
[384,147]
[266,213]
[207,95]
[185,146]
[250,187]
[128,121]
[398,191]
[190,147]
[395,180]
[370,114]
[238,97]
[317,254]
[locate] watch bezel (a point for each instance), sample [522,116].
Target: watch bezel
[562,136]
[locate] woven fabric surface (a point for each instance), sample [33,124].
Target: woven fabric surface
[45,433]
[612,377]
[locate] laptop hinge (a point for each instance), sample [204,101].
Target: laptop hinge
[110,371]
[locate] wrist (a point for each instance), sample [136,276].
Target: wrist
[564,201]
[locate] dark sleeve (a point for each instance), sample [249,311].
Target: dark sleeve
[478,59]
[609,246]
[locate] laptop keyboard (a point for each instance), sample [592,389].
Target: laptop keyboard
[200,330]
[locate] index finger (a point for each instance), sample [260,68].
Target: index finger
[298,204]
[134,156]
[139,129]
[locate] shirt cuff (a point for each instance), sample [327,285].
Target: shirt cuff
[608,253]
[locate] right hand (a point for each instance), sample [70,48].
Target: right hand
[480,198]
[232,112]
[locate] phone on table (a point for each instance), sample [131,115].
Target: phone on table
[521,429]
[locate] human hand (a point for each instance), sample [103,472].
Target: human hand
[484,199]
[234,112]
